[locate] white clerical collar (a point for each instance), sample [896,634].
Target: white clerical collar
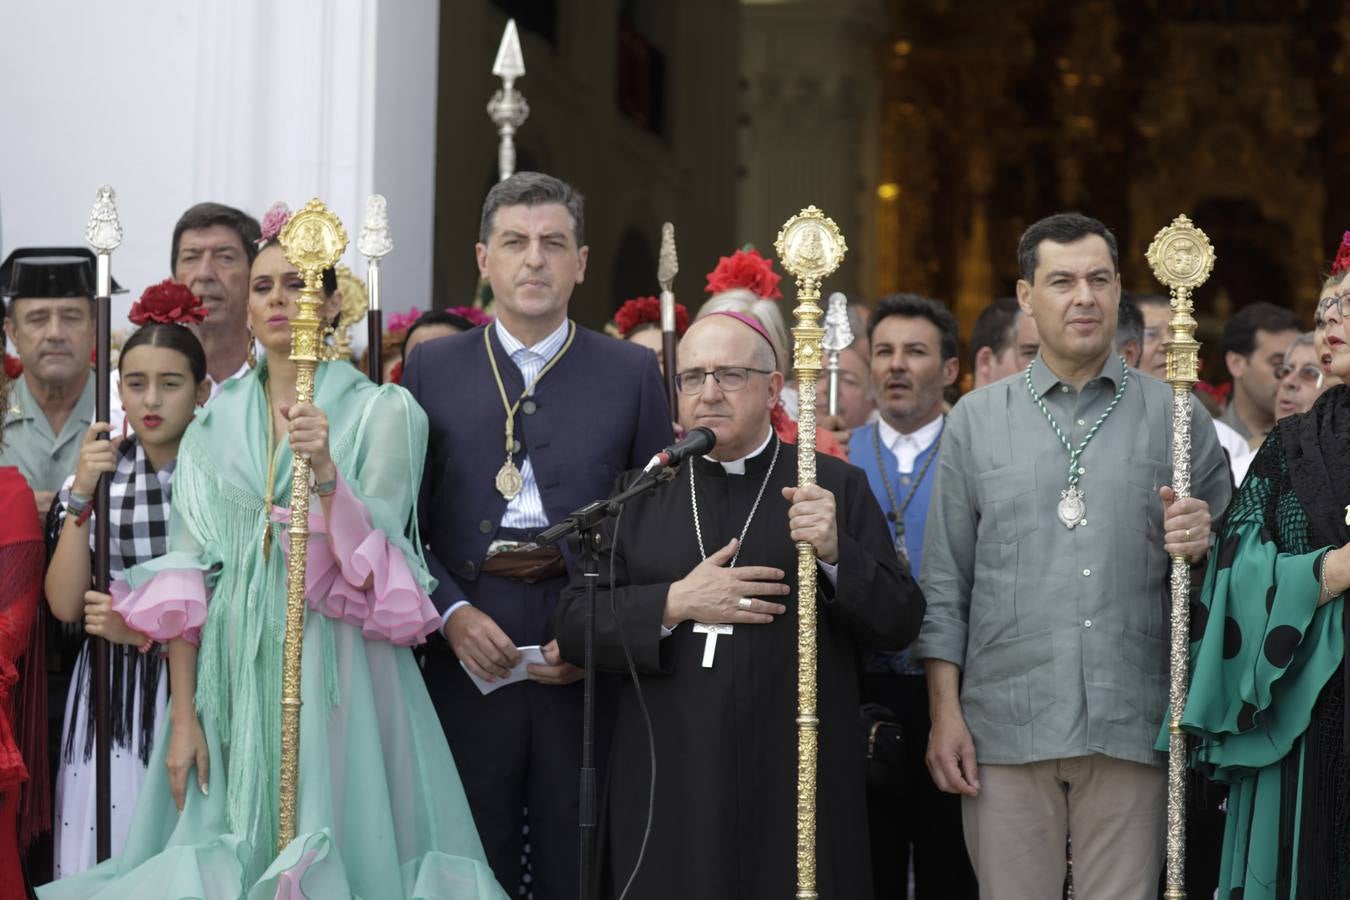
[737,466]
[918,441]
[545,348]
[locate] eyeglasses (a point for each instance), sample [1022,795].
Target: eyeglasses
[1340,303]
[1308,374]
[728,378]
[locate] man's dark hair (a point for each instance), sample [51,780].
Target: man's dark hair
[533,189]
[912,306]
[1239,332]
[205,215]
[1129,322]
[1061,228]
[995,328]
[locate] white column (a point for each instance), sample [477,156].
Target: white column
[243,103]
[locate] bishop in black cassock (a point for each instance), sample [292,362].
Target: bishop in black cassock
[723,709]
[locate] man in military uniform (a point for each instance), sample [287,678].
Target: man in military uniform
[50,322]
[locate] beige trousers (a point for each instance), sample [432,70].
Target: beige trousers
[1116,812]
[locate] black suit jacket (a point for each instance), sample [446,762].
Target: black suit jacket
[601,410]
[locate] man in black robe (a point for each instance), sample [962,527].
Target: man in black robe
[723,705]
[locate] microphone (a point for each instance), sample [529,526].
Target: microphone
[697,442]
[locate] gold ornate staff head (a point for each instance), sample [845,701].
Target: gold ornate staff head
[811,247]
[313,240]
[1182,257]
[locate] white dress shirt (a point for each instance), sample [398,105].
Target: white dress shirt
[907,447]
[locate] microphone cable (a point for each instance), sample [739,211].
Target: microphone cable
[642,705]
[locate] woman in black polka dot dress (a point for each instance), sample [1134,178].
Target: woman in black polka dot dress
[1268,691]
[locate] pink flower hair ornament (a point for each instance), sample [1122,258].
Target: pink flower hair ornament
[273,222]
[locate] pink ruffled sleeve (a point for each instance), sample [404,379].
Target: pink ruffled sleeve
[355,575]
[172,604]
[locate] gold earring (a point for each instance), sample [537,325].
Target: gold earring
[251,357]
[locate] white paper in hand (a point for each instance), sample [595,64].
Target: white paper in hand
[529,656]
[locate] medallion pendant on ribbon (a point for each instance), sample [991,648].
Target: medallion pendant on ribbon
[509,480]
[1072,508]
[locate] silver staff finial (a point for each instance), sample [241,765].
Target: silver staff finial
[375,242]
[668,264]
[838,333]
[507,109]
[104,232]
[510,62]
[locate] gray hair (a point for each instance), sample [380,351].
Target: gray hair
[766,312]
[1303,340]
[533,189]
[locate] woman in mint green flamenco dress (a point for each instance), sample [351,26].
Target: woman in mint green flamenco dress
[380,811]
[1268,693]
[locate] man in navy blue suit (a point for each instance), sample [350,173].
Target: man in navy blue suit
[531,417]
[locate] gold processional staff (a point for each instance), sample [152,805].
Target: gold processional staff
[810,247]
[1182,258]
[313,240]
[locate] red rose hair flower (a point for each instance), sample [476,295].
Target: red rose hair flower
[641,310]
[13,367]
[1342,261]
[745,269]
[168,303]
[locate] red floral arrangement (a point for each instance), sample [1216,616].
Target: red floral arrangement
[168,303]
[1218,394]
[399,322]
[472,313]
[13,367]
[745,269]
[1342,261]
[641,310]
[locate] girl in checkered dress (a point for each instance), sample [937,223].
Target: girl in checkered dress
[163,379]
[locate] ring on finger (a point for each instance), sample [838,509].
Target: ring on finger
[745,603]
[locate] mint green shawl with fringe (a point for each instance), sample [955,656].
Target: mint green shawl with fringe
[377,437]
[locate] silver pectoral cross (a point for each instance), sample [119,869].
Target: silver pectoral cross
[710,641]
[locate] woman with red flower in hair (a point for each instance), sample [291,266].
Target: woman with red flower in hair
[639,321]
[746,284]
[163,379]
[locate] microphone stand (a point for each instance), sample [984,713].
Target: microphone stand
[586,523]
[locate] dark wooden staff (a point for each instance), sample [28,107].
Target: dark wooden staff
[104,234]
[374,243]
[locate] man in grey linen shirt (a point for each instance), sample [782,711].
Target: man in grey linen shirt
[1045,635]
